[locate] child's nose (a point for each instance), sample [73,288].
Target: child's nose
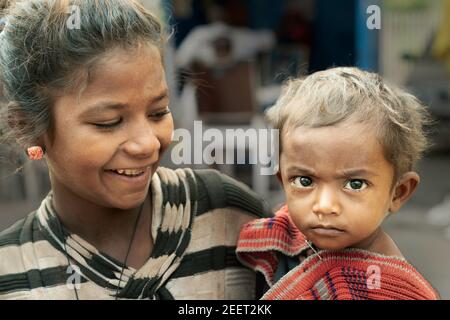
[326,202]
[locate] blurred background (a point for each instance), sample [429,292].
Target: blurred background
[226,61]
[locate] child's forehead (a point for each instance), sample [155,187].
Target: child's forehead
[338,146]
[344,132]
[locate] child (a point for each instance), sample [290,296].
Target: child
[348,144]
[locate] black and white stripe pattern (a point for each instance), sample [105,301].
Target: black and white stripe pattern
[196,220]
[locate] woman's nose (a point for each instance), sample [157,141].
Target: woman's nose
[142,141]
[326,202]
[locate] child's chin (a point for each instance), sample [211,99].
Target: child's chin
[328,245]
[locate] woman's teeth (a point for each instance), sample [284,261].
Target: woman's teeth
[130,172]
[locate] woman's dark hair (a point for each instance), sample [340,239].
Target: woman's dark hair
[44,49]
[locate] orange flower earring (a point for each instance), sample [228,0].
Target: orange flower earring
[35,153]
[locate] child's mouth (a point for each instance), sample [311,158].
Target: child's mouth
[327,231]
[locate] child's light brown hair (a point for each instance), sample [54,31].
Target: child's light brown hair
[336,95]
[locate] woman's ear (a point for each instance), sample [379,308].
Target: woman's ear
[403,190]
[17,123]
[20,126]
[14,117]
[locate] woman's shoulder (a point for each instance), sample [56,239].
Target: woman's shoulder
[17,233]
[211,190]
[12,242]
[224,191]
[27,259]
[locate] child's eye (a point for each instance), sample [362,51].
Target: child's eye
[302,182]
[108,125]
[160,114]
[356,185]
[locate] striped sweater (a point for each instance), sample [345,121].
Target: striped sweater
[351,274]
[196,220]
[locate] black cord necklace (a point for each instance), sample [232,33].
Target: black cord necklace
[129,247]
[126,257]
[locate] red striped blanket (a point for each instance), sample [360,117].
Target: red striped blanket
[349,274]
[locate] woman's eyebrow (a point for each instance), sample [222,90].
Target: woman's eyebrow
[161,96]
[102,106]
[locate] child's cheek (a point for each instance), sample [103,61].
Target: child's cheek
[297,212]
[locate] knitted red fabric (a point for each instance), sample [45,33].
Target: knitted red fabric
[349,274]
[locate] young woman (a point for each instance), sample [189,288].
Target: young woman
[92,101]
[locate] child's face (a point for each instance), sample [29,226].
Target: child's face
[119,121]
[337,183]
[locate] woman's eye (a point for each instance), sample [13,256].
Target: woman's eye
[107,125]
[160,114]
[302,182]
[356,185]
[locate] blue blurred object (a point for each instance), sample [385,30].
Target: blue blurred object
[184,25]
[265,14]
[367,40]
[333,42]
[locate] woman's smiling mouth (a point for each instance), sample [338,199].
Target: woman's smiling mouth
[135,177]
[130,172]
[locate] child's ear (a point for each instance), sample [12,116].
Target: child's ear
[403,190]
[279,177]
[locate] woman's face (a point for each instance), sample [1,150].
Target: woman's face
[107,140]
